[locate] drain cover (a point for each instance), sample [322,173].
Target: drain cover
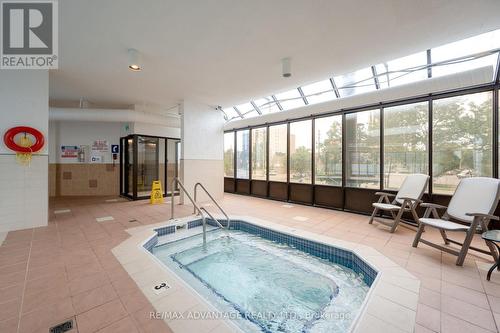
[63,327]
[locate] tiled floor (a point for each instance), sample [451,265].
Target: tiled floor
[66,270]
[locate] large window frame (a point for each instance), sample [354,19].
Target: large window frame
[343,190]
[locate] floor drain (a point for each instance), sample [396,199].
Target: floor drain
[63,327]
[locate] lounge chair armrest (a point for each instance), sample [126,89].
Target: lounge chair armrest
[488,216]
[385,194]
[410,199]
[432,205]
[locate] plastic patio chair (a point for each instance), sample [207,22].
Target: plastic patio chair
[406,200]
[472,205]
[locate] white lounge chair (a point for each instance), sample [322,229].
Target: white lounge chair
[406,200]
[472,205]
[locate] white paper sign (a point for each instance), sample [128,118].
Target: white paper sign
[100,146]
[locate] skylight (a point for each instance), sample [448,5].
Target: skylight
[290,99]
[474,52]
[318,92]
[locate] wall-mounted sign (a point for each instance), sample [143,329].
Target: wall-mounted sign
[100,146]
[115,149]
[69,151]
[96,159]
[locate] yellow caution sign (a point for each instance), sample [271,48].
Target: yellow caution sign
[156,193]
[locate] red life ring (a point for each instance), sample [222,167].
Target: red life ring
[9,136]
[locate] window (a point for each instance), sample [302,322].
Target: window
[278,153]
[259,149]
[267,105]
[358,82]
[363,149]
[245,109]
[301,151]
[405,142]
[465,47]
[328,150]
[318,92]
[462,140]
[405,70]
[290,99]
[242,154]
[231,113]
[229,154]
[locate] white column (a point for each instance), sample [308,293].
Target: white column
[202,138]
[24,101]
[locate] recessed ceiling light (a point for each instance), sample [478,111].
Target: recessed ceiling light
[134,60]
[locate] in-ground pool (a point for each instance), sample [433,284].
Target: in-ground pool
[269,281]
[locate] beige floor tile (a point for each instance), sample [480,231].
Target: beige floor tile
[90,299]
[125,325]
[450,324]
[468,312]
[100,316]
[429,317]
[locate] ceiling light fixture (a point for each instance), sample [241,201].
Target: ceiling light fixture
[134,60]
[286,67]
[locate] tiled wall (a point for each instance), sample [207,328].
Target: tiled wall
[24,203]
[84,179]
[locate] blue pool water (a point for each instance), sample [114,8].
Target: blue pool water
[273,287]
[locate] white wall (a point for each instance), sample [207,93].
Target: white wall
[202,147]
[72,133]
[23,189]
[156,130]
[76,133]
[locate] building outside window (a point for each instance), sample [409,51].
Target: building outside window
[229,154]
[301,151]
[363,149]
[328,150]
[406,137]
[278,162]
[242,154]
[461,139]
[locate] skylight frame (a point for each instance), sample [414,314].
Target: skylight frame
[382,77]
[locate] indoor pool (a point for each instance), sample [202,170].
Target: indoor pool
[267,285]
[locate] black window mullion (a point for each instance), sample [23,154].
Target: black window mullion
[234,158]
[430,144]
[381,131]
[375,77]
[306,102]
[495,132]
[277,102]
[335,89]
[429,63]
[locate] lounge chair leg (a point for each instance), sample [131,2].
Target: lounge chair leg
[373,215]
[420,230]
[414,214]
[465,246]
[445,238]
[396,220]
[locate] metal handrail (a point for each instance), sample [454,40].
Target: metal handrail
[202,211]
[179,183]
[211,216]
[213,200]
[196,207]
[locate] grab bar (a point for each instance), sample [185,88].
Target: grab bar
[213,200]
[211,216]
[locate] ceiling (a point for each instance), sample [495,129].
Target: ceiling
[225,52]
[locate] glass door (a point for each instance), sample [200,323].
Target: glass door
[145,159]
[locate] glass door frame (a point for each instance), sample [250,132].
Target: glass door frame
[124,165]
